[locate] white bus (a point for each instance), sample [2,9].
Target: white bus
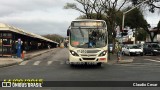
[88,42]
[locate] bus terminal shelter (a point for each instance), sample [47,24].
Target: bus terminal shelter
[10,35]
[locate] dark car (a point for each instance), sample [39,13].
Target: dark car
[151,48]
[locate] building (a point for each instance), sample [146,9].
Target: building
[9,36]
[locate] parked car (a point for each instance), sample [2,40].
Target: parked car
[151,48]
[123,49]
[132,50]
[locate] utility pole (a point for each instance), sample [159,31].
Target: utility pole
[124,13]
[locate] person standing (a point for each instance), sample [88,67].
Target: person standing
[19,48]
[118,51]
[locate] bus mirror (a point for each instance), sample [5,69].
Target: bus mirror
[68,32]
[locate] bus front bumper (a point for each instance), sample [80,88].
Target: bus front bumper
[79,60]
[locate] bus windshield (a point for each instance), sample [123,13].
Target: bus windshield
[88,38]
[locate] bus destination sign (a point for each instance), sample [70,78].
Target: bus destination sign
[88,24]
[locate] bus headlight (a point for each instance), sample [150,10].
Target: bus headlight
[73,53]
[103,53]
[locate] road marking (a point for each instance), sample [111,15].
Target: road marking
[138,65]
[49,62]
[146,56]
[132,64]
[62,62]
[24,63]
[36,63]
[152,60]
[158,58]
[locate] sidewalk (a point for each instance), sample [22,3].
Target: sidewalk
[4,62]
[124,59]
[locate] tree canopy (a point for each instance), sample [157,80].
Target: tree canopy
[101,8]
[54,37]
[135,19]
[152,4]
[111,12]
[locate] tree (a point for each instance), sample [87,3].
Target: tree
[86,4]
[112,9]
[141,34]
[135,19]
[109,8]
[94,16]
[54,37]
[157,30]
[152,4]
[138,22]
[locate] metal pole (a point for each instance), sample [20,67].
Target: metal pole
[122,27]
[129,11]
[136,6]
[123,21]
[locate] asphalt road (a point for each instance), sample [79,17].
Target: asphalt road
[52,66]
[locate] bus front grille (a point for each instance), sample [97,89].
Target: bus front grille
[88,58]
[88,55]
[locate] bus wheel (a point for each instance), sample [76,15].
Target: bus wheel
[99,64]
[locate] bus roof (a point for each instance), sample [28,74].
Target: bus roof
[88,20]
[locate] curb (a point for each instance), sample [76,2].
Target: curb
[10,64]
[111,62]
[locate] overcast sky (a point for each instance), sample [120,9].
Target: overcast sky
[44,16]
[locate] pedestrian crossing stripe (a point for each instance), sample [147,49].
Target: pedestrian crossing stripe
[62,63]
[36,63]
[49,62]
[152,60]
[24,63]
[136,65]
[147,56]
[158,58]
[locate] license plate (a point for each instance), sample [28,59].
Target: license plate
[81,51]
[137,53]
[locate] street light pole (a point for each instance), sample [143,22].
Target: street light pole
[123,21]
[129,11]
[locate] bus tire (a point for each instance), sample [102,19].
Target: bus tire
[72,65]
[99,64]
[144,53]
